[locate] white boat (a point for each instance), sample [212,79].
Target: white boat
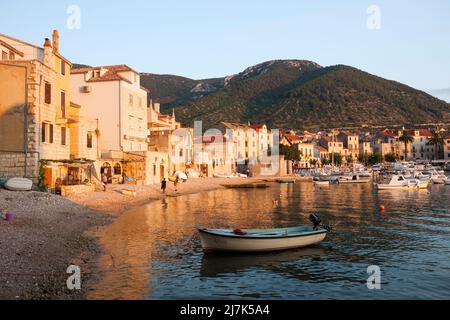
[447,182]
[19,184]
[438,178]
[321,183]
[353,179]
[262,240]
[400,182]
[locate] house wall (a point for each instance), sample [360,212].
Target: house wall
[38,112]
[133,117]
[12,103]
[101,103]
[78,136]
[30,51]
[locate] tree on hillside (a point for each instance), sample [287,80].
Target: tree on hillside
[406,138]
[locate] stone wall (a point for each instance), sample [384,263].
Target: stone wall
[13,165]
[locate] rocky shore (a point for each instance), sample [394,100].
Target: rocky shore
[50,233]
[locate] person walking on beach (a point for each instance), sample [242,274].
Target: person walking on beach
[175,183]
[164,185]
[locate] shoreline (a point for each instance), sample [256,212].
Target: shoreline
[50,232]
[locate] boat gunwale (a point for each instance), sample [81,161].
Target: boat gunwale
[236,236]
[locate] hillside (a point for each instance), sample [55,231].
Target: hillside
[296,93]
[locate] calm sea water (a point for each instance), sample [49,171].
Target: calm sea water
[153,252]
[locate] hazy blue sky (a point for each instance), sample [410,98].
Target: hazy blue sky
[201,39]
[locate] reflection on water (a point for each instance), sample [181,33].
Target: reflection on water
[153,252]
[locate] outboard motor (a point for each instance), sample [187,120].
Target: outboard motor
[315,220]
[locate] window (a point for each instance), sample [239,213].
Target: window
[48,93]
[12,56]
[63,68]
[43,131]
[51,134]
[63,136]
[131,100]
[89,140]
[4,55]
[63,104]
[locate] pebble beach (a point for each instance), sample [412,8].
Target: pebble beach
[49,233]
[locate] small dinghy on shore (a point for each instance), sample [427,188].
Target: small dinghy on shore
[19,184]
[263,240]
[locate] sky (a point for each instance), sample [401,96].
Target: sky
[205,39]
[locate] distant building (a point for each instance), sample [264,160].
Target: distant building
[420,148]
[351,143]
[446,147]
[365,148]
[306,154]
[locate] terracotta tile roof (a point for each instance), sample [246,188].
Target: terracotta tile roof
[425,133]
[10,47]
[388,133]
[112,73]
[293,138]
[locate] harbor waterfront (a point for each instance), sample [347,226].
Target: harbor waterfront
[153,251]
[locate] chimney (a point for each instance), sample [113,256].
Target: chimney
[55,41]
[48,54]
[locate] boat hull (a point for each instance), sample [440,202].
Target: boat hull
[219,243]
[19,184]
[355,181]
[322,183]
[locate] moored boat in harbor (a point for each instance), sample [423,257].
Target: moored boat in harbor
[353,179]
[400,182]
[262,240]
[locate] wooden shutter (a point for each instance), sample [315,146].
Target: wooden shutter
[63,136]
[51,134]
[48,93]
[43,131]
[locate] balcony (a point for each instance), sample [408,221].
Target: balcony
[61,116]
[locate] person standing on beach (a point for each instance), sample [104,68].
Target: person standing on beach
[164,185]
[104,181]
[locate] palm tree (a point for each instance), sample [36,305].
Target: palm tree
[406,138]
[436,139]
